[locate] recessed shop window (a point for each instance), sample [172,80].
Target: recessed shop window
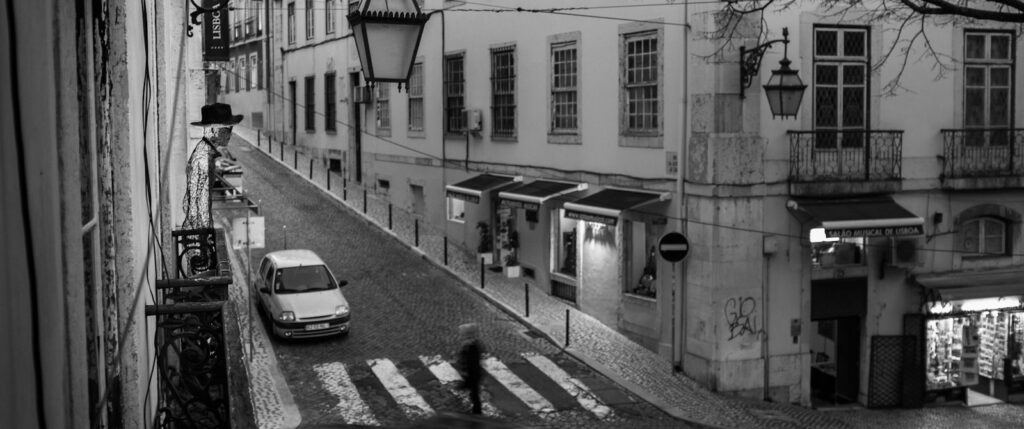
[641,260]
[456,210]
[831,252]
[566,252]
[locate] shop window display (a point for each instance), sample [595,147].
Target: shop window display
[831,252]
[961,350]
[566,251]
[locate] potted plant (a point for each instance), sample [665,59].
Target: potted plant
[512,268]
[485,247]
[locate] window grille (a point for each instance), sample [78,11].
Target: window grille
[310,104]
[329,15]
[330,103]
[291,22]
[503,91]
[454,89]
[988,86]
[984,236]
[384,106]
[309,19]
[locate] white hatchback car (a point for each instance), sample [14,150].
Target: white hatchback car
[297,291]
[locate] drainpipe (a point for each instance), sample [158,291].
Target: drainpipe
[679,324]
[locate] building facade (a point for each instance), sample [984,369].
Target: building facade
[243,78]
[828,251]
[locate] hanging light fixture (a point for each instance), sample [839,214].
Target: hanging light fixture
[784,89]
[387,35]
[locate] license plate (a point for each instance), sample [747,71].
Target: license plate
[316,326]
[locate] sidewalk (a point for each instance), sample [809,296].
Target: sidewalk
[636,368]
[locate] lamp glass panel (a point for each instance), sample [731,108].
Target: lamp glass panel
[774,99]
[392,48]
[357,32]
[791,99]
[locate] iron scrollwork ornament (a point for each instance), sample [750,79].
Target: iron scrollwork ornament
[193,370]
[194,16]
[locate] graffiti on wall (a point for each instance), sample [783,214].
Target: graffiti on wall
[740,317]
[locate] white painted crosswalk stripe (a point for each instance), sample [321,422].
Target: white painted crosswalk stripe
[575,388]
[350,405]
[517,386]
[450,378]
[405,395]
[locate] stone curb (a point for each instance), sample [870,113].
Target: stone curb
[629,385]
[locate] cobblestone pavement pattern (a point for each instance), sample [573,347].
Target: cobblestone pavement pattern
[403,307]
[644,373]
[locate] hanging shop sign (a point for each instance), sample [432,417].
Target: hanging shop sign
[516,204]
[888,231]
[475,199]
[590,217]
[216,34]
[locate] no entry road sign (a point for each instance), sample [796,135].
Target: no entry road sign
[674,247]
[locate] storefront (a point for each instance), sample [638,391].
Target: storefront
[524,218]
[973,334]
[603,258]
[472,205]
[842,234]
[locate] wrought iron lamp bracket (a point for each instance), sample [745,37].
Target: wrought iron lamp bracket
[750,60]
[194,16]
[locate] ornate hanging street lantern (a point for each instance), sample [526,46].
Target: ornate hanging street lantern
[387,35]
[784,89]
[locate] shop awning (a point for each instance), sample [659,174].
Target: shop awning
[531,195]
[471,189]
[606,206]
[974,284]
[860,217]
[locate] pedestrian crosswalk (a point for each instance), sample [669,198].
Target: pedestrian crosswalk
[381,390]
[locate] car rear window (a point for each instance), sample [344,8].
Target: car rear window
[303,279]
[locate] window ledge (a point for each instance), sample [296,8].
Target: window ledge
[564,138]
[650,299]
[456,220]
[418,134]
[983,257]
[504,139]
[562,277]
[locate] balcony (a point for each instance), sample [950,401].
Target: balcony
[845,162]
[990,158]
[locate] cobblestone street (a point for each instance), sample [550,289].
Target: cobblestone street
[403,310]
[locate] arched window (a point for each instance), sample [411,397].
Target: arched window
[984,235]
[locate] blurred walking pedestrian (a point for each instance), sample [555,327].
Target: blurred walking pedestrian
[470,368]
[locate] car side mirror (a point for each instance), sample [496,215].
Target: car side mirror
[342,283]
[265,290]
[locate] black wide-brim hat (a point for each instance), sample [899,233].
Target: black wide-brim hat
[218,114]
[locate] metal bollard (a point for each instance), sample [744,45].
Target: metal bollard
[295,160]
[311,169]
[481,273]
[344,189]
[364,200]
[526,287]
[281,146]
[567,327]
[328,179]
[389,216]
[259,138]
[446,250]
[416,230]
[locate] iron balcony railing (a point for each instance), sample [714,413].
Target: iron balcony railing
[845,155]
[988,152]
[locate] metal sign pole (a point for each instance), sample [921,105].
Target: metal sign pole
[248,282]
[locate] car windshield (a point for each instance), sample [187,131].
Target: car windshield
[303,279]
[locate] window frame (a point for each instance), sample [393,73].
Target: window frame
[330,102]
[639,138]
[450,207]
[291,23]
[382,101]
[254,70]
[329,17]
[310,18]
[454,93]
[416,118]
[310,103]
[556,88]
[988,64]
[982,236]
[841,62]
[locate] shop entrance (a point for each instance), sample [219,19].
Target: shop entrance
[837,310]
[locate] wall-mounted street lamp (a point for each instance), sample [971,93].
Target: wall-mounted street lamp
[387,35]
[784,89]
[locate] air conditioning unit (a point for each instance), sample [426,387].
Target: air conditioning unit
[473,119]
[361,94]
[903,252]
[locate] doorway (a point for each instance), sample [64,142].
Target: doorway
[838,307]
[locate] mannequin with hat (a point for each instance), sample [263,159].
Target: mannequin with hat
[217,122]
